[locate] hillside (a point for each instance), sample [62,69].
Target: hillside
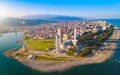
[22,22]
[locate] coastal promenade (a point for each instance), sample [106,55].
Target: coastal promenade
[52,66]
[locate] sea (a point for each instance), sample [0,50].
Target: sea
[9,66]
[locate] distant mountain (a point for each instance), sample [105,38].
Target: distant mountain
[22,22]
[51,17]
[36,20]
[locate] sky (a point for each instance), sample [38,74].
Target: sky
[84,8]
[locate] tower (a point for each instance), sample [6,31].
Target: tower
[59,35]
[74,41]
[58,40]
[57,43]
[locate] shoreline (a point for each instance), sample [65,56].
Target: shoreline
[54,66]
[59,66]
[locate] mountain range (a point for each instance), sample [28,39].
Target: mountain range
[36,19]
[22,22]
[51,17]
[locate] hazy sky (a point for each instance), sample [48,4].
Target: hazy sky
[85,8]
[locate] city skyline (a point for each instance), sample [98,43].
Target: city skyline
[89,8]
[59,37]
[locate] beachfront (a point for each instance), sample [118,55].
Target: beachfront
[52,66]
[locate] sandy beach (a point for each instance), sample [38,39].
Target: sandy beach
[53,66]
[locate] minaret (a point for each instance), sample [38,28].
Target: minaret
[74,41]
[59,35]
[57,43]
[58,40]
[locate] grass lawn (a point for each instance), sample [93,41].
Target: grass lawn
[48,58]
[39,44]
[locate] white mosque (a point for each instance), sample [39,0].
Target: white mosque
[66,43]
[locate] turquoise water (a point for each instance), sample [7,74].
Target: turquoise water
[8,66]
